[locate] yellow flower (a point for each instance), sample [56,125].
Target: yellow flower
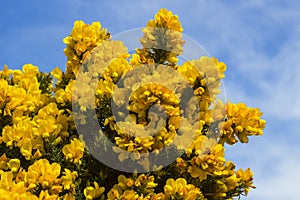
[64,96]
[44,173]
[82,94]
[20,135]
[113,194]
[104,88]
[25,94]
[44,195]
[5,73]
[57,74]
[30,70]
[232,182]
[246,179]
[74,150]
[83,39]
[165,19]
[126,187]
[3,162]
[129,195]
[241,122]
[205,76]
[135,132]
[17,76]
[69,196]
[116,70]
[209,159]
[68,179]
[159,196]
[163,37]
[179,189]
[197,172]
[93,192]
[14,164]
[10,189]
[109,60]
[50,122]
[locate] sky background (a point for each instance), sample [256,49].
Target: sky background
[259,40]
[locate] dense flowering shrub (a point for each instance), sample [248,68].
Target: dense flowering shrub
[44,156]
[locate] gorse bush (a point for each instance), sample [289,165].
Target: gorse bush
[159,120]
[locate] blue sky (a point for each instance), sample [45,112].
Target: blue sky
[259,40]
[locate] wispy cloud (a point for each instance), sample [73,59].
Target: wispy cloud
[275,166]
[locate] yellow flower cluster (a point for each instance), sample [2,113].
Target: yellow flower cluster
[107,59]
[179,189]
[209,158]
[9,189]
[141,187]
[20,90]
[74,151]
[165,19]
[143,92]
[93,192]
[141,103]
[205,76]
[144,130]
[141,139]
[83,39]
[63,87]
[28,134]
[34,127]
[41,175]
[162,41]
[208,163]
[241,122]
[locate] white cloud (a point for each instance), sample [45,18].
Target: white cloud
[275,79]
[275,167]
